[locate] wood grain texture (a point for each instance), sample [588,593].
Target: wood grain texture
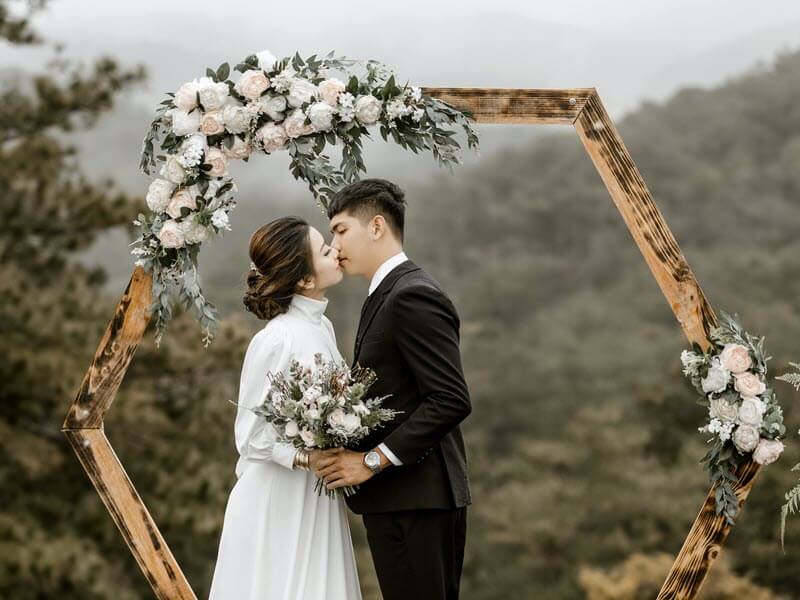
[704,542]
[645,222]
[83,428]
[129,513]
[687,301]
[113,355]
[515,105]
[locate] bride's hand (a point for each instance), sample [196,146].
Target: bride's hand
[315,456]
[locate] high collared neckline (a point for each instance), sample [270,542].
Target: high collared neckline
[387,266]
[308,308]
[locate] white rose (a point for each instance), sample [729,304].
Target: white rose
[311,394]
[745,438]
[748,384]
[308,438]
[312,414]
[717,378]
[193,231]
[291,429]
[240,149]
[336,419]
[272,137]
[330,89]
[236,118]
[181,198]
[368,109]
[301,92]
[172,170]
[212,93]
[186,96]
[735,358]
[321,116]
[725,411]
[184,123]
[159,194]
[266,60]
[218,162]
[295,124]
[171,234]
[323,400]
[219,219]
[751,412]
[767,451]
[252,84]
[351,423]
[273,106]
[212,123]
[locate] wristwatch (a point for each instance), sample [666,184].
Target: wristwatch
[373,461]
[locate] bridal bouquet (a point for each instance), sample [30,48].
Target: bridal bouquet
[323,407]
[745,419]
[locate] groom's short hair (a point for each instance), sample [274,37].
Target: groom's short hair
[369,197]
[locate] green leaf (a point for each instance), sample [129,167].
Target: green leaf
[223,71]
[352,85]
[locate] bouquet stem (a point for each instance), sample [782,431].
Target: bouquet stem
[347,490]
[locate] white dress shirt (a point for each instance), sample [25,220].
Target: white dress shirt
[379,276]
[385,269]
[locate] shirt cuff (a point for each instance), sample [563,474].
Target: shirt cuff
[390,455]
[283,454]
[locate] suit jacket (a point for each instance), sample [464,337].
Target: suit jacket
[409,335]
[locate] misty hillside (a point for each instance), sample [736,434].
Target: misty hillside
[571,350]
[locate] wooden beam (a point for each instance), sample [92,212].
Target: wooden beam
[687,301]
[705,541]
[130,514]
[516,105]
[83,427]
[113,355]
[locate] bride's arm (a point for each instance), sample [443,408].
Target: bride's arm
[256,440]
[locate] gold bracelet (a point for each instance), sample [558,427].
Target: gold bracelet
[301,460]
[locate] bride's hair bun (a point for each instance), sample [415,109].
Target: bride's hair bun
[280,255]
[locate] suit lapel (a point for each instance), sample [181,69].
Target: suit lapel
[375,301]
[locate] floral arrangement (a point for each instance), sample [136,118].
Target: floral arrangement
[745,419]
[292,104]
[323,407]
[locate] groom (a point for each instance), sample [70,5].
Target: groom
[412,474]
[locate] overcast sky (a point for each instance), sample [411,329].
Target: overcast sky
[629,50]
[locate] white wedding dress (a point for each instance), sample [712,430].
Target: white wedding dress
[280,540]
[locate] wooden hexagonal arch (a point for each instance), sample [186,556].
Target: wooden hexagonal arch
[580,107]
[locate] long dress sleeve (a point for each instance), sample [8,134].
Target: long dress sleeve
[257,440]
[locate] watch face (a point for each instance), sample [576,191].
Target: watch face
[372,459]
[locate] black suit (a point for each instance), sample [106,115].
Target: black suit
[415,514]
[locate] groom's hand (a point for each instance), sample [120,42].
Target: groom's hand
[343,468]
[318,459]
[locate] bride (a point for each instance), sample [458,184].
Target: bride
[280,539]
